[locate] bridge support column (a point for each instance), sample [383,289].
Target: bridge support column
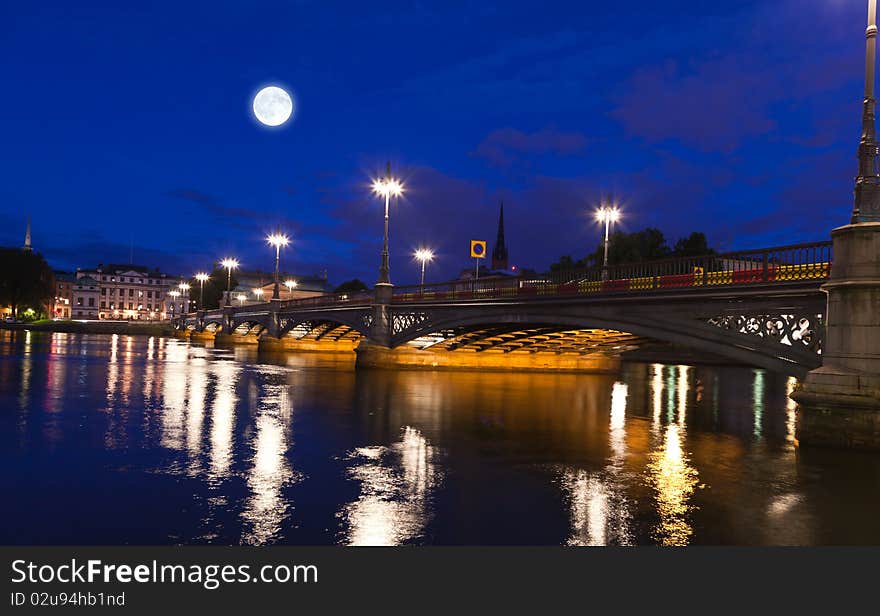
[274,328]
[380,327]
[839,403]
[228,320]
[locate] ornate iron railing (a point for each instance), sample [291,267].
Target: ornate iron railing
[798,262]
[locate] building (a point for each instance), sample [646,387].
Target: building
[27,236]
[499,253]
[85,293]
[500,270]
[137,293]
[258,286]
[63,302]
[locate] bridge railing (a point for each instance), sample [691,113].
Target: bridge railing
[798,262]
[335,299]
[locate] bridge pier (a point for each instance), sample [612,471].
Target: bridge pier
[371,355]
[839,403]
[380,326]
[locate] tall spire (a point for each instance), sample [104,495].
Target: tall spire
[27,236]
[499,254]
[867,191]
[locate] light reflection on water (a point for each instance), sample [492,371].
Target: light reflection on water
[153,440]
[396,484]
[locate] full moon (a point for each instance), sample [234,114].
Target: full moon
[273,106]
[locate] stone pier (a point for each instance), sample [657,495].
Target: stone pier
[405,357]
[839,403]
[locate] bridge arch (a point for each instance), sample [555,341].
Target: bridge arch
[324,326]
[691,333]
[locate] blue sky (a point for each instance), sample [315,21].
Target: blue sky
[131,125]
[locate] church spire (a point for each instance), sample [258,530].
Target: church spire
[27,236]
[499,254]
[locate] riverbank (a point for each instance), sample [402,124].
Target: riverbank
[130,328]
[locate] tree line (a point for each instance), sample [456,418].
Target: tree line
[26,281]
[646,245]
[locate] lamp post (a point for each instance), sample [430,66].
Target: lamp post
[202,277]
[277,240]
[241,297]
[424,255]
[291,285]
[607,215]
[386,187]
[184,291]
[174,295]
[258,293]
[866,207]
[230,264]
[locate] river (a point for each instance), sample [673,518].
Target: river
[112,439]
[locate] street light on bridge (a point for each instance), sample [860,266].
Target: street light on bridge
[386,187]
[184,290]
[277,240]
[608,215]
[241,297]
[202,277]
[424,255]
[291,285]
[258,293]
[230,264]
[174,295]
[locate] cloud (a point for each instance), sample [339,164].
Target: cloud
[505,147]
[212,205]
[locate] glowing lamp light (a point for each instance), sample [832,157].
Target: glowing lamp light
[388,187]
[423,255]
[229,264]
[278,240]
[291,284]
[258,293]
[202,277]
[607,214]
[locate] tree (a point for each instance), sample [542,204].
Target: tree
[646,245]
[215,287]
[694,245]
[567,263]
[26,280]
[352,286]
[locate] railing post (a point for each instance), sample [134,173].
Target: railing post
[764,270]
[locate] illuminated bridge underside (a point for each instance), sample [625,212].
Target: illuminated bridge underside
[779,327]
[543,338]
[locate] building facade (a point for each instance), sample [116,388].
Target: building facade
[85,293]
[62,305]
[136,293]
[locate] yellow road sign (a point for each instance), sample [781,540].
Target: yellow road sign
[478,249]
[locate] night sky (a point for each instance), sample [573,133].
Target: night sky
[126,125]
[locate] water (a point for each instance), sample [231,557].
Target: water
[135,440]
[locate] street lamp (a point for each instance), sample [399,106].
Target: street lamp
[608,215]
[174,295]
[866,207]
[202,277]
[258,293]
[230,264]
[386,187]
[291,285]
[241,297]
[184,290]
[424,255]
[277,240]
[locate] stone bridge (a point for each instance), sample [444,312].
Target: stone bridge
[762,308]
